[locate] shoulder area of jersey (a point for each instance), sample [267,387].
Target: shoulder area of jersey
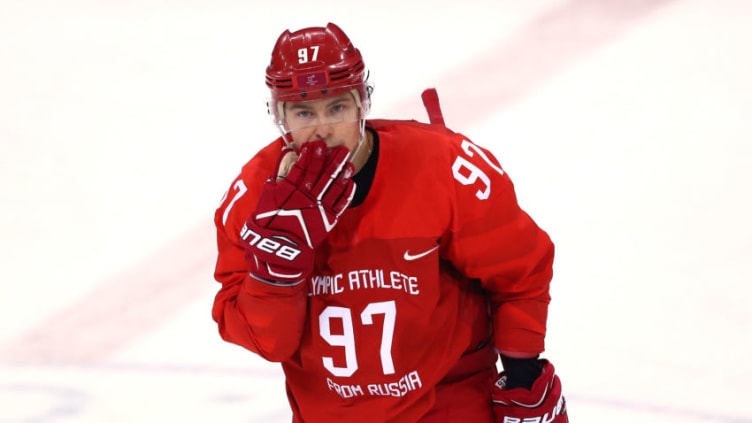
[388,125]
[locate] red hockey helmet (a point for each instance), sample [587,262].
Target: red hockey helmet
[313,63]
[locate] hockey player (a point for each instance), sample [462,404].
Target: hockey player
[385,264]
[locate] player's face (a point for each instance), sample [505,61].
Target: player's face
[333,119]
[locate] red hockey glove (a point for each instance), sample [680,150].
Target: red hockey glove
[543,403]
[296,212]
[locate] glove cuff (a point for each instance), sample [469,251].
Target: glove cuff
[521,372]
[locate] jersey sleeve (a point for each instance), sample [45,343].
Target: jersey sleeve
[494,241]
[266,319]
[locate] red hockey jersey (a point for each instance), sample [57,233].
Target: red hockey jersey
[411,291]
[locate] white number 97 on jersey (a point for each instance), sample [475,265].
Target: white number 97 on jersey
[467,173]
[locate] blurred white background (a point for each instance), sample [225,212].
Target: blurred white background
[625,126]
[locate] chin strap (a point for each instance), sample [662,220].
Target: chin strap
[356,150]
[433,107]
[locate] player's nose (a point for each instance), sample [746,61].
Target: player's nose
[323,129]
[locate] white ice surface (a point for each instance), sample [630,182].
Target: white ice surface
[629,139]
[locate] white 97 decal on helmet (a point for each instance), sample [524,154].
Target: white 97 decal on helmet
[467,173]
[303,54]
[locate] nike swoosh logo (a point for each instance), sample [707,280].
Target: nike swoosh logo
[411,257]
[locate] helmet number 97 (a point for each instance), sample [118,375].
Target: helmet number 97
[303,56]
[467,173]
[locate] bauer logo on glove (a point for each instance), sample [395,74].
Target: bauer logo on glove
[542,403]
[269,245]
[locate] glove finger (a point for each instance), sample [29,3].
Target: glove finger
[345,198]
[307,168]
[340,193]
[333,166]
